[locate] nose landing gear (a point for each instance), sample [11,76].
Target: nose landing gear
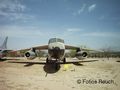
[47,61]
[53,63]
[57,66]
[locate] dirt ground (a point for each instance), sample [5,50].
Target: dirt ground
[103,74]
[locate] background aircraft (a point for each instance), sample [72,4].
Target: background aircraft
[3,49]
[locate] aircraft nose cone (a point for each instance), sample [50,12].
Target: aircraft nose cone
[56,52]
[56,49]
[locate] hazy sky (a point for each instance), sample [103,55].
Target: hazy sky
[94,23]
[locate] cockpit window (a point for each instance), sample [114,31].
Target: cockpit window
[60,40]
[56,40]
[52,40]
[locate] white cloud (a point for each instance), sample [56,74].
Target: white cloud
[91,7]
[74,29]
[13,10]
[102,34]
[11,6]
[81,9]
[78,12]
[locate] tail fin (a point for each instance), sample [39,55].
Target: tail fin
[4,45]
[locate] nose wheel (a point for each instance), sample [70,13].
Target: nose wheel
[55,64]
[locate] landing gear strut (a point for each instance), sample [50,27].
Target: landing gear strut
[64,60]
[47,61]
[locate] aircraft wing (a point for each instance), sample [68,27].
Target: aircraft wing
[88,49]
[77,48]
[22,51]
[6,51]
[83,49]
[43,47]
[71,47]
[44,62]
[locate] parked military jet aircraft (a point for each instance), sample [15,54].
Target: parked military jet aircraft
[56,51]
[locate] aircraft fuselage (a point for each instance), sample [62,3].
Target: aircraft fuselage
[56,50]
[2,54]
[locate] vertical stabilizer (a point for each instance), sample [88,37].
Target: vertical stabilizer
[4,45]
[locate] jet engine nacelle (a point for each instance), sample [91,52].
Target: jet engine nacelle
[81,55]
[30,55]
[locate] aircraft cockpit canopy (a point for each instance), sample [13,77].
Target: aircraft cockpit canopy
[52,40]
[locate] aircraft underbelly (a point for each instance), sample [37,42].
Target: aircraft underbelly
[56,54]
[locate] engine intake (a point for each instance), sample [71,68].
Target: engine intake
[81,55]
[30,55]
